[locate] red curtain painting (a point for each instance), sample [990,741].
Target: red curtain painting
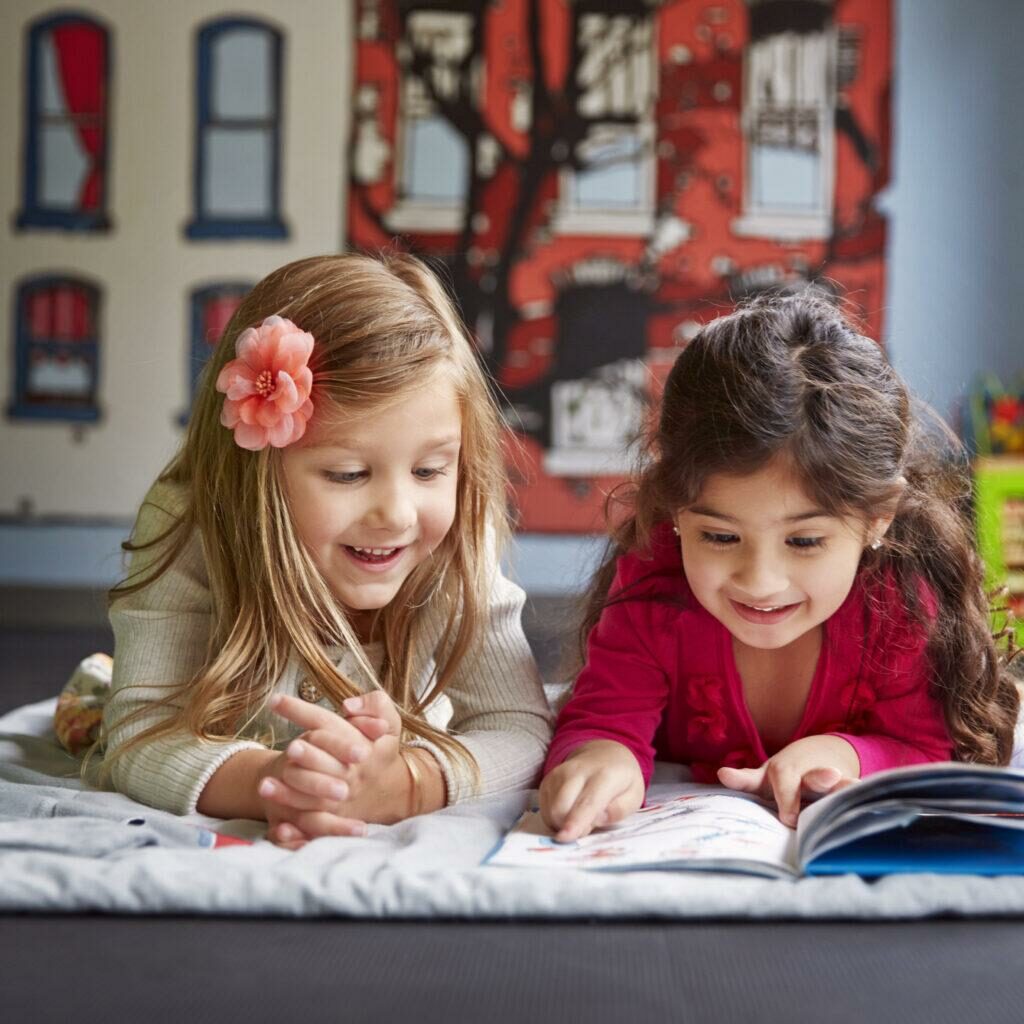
[81,50]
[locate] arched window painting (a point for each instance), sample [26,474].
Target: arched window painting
[788,115]
[66,125]
[211,308]
[433,156]
[600,178]
[57,349]
[610,186]
[237,184]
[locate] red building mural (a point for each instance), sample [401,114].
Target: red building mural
[600,177]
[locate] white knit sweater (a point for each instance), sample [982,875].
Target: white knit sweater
[495,704]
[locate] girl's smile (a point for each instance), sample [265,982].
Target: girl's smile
[374,559]
[762,615]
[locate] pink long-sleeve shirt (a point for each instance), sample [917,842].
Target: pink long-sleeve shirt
[661,679]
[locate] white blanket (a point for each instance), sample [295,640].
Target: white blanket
[66,847]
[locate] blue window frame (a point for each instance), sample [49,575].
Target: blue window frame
[66,125]
[56,350]
[237,185]
[211,307]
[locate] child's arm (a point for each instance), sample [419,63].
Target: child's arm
[897,719]
[339,774]
[160,639]
[602,755]
[622,691]
[893,718]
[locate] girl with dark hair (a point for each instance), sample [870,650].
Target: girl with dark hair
[794,599]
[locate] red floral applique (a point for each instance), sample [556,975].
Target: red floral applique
[706,722]
[859,700]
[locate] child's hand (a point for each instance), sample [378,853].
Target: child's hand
[339,774]
[374,714]
[600,782]
[814,764]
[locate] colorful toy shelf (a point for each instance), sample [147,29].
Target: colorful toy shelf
[999,506]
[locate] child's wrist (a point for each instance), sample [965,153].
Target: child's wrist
[232,790]
[604,751]
[425,790]
[414,791]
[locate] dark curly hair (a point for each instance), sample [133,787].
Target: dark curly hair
[790,376]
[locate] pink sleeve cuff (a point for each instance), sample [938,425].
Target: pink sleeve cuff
[876,753]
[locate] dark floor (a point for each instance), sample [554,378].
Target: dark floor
[35,664]
[88,969]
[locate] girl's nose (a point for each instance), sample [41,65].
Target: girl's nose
[760,578]
[393,510]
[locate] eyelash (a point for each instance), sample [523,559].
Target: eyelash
[356,475]
[726,540]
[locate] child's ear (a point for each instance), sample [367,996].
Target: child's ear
[877,529]
[879,526]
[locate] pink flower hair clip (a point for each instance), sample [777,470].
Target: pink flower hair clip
[267,387]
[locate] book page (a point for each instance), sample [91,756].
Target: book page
[700,827]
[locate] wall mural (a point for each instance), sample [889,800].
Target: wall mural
[600,177]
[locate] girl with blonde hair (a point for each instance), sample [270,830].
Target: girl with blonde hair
[314,629]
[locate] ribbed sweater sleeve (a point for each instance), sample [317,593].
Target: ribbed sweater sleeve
[160,638]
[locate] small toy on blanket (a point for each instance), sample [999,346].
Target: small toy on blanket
[79,714]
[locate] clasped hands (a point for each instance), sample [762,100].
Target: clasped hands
[339,774]
[600,782]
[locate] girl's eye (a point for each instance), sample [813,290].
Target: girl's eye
[430,472]
[718,539]
[805,543]
[350,476]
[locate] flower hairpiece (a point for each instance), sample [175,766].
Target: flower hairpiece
[267,387]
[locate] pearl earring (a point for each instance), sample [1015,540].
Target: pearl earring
[876,543]
[675,530]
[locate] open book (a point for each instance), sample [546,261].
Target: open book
[947,818]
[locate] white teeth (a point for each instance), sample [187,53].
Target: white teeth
[377,552]
[773,608]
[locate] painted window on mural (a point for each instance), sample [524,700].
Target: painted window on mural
[598,377]
[66,125]
[56,350]
[788,118]
[211,308]
[615,159]
[433,157]
[238,132]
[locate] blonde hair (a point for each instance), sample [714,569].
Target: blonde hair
[383,325]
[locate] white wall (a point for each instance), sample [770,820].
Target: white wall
[145,265]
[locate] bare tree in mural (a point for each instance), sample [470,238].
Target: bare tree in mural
[516,192]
